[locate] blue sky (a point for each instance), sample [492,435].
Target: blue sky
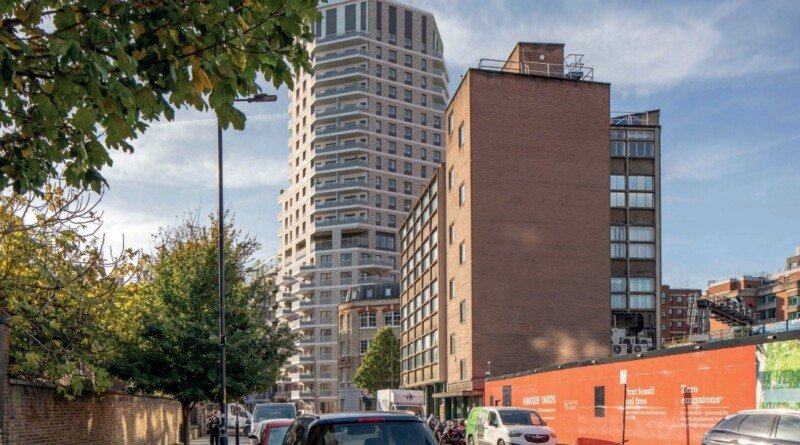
[724,74]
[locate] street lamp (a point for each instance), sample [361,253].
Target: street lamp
[221,271]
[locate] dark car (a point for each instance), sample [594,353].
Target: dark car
[360,429]
[758,427]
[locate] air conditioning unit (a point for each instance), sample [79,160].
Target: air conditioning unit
[619,349]
[630,341]
[638,349]
[646,341]
[617,335]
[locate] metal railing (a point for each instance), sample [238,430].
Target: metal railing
[342,90]
[355,242]
[632,119]
[340,221]
[339,185]
[337,128]
[321,40]
[323,245]
[341,147]
[340,54]
[342,164]
[341,203]
[734,332]
[572,68]
[344,72]
[341,110]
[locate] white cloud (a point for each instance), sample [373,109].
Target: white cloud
[182,153]
[638,50]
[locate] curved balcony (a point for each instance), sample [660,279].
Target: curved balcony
[354,147]
[332,93]
[341,185]
[339,57]
[355,164]
[376,263]
[339,130]
[341,75]
[340,111]
[339,204]
[338,40]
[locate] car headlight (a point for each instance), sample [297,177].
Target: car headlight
[513,433]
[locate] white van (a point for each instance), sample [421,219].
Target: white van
[506,426]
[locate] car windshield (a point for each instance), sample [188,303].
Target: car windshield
[276,435]
[520,418]
[372,433]
[273,412]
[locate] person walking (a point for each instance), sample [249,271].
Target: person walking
[213,426]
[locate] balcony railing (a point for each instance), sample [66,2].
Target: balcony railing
[334,91]
[340,54]
[343,164]
[321,40]
[340,221]
[340,128]
[375,262]
[355,242]
[340,203]
[344,72]
[323,245]
[341,147]
[341,110]
[341,185]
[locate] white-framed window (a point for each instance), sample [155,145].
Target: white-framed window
[391,318]
[367,320]
[364,346]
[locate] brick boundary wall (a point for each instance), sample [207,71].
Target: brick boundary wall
[36,414]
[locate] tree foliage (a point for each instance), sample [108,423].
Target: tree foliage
[380,368]
[70,304]
[81,77]
[177,350]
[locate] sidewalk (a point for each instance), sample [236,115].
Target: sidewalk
[243,440]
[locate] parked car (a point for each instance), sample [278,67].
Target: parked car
[757,427]
[360,429]
[269,411]
[270,432]
[507,425]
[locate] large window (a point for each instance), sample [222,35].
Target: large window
[640,200]
[618,250]
[384,241]
[618,301]
[642,284]
[368,320]
[642,302]
[364,347]
[617,233]
[644,183]
[641,149]
[617,148]
[642,251]
[617,182]
[618,285]
[642,234]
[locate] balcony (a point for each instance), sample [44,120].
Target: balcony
[340,111]
[342,148]
[360,242]
[330,222]
[311,322]
[322,245]
[334,92]
[300,395]
[286,280]
[339,57]
[340,129]
[284,297]
[353,202]
[342,165]
[380,263]
[341,185]
[298,359]
[351,73]
[341,39]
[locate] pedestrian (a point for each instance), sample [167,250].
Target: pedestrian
[213,426]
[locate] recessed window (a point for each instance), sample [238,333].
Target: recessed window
[452,344]
[450,123]
[450,178]
[461,135]
[452,288]
[617,199]
[451,233]
[368,320]
[364,346]
[462,194]
[463,369]
[462,311]
[462,253]
[617,182]
[640,200]
[642,234]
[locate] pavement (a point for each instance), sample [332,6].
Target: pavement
[231,440]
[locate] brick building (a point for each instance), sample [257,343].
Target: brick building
[523,203]
[675,312]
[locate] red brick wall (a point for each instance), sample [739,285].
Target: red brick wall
[37,415]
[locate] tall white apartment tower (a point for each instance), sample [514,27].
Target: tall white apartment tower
[366,136]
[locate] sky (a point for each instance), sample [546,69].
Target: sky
[724,74]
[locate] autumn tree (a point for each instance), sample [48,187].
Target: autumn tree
[81,77]
[380,368]
[69,300]
[177,350]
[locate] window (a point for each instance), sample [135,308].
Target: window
[450,123]
[437,156]
[367,320]
[599,401]
[391,318]
[392,203]
[642,251]
[618,134]
[640,200]
[407,168]
[461,135]
[364,347]
[407,132]
[642,234]
[617,233]
[407,115]
[643,302]
[407,78]
[392,111]
[617,199]
[392,74]
[378,71]
[462,253]
[617,182]
[378,52]
[617,148]
[437,122]
[641,149]
[618,285]
[452,288]
[378,108]
[451,233]
[644,183]
[758,425]
[384,241]
[639,135]
[392,92]
[437,139]
[450,178]
[452,344]
[788,428]
[462,194]
[392,165]
[618,250]
[618,301]
[642,284]
[463,369]
[392,55]
[408,60]
[392,129]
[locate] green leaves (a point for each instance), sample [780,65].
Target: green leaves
[132,63]
[380,368]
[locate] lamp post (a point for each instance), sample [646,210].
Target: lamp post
[221,271]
